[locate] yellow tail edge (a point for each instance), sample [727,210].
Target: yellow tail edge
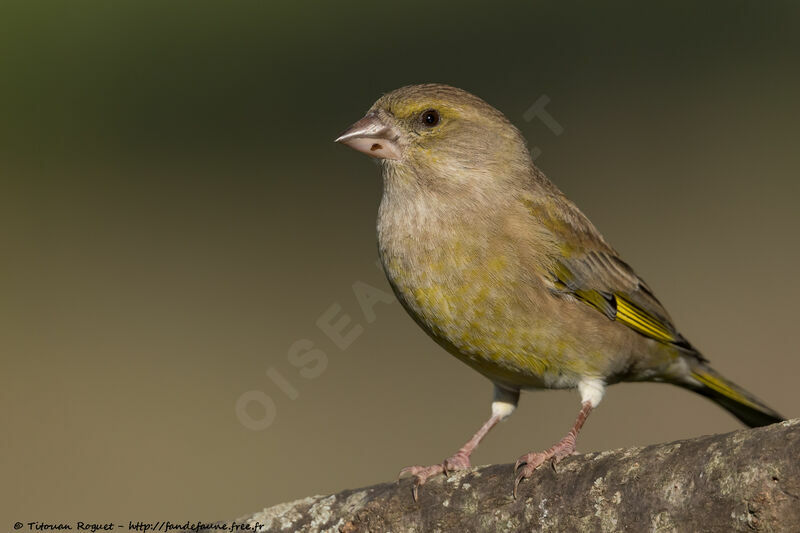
[735,399]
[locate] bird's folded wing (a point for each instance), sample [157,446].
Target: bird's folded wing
[586,267]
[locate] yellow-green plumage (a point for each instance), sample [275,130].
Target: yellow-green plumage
[501,269]
[487,301]
[469,261]
[507,274]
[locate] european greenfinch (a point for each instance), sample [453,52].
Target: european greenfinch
[503,271]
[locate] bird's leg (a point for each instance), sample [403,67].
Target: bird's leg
[457,461]
[504,403]
[565,447]
[591,393]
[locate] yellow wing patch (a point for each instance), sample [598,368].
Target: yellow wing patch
[619,307]
[642,321]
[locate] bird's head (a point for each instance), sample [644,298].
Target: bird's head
[441,134]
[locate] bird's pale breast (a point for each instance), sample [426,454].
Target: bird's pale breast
[465,284]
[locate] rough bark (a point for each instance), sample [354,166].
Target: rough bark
[748,480]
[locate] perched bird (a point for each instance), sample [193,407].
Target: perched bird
[503,271]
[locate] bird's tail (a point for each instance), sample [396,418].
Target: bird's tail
[732,397]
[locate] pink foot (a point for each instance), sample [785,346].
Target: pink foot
[528,463]
[459,461]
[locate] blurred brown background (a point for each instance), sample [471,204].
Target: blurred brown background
[174,216]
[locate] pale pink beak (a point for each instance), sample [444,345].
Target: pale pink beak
[373,137]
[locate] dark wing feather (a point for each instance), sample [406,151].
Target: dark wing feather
[591,271]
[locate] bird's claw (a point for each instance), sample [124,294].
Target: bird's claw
[421,474]
[528,463]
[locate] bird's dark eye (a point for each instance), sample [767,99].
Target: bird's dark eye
[430,117]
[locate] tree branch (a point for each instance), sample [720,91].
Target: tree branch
[748,480]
